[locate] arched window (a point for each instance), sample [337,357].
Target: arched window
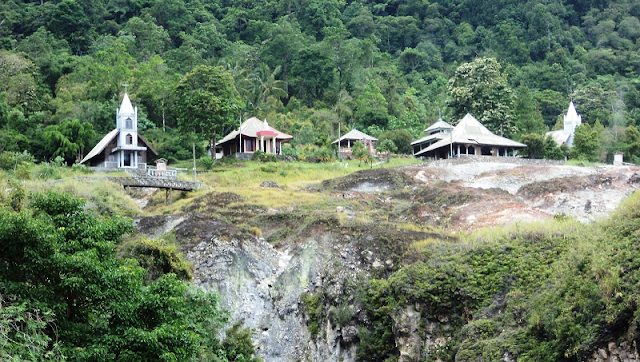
[128,123]
[129,139]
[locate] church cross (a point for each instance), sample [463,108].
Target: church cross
[125,85]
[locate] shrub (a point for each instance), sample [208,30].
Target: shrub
[48,171]
[289,151]
[11,160]
[263,157]
[207,162]
[80,168]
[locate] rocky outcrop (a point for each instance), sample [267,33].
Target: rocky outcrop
[623,352]
[262,288]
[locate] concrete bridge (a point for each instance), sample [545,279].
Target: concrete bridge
[168,184]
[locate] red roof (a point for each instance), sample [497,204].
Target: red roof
[267,133]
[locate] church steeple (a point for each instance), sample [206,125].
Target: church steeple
[126,107]
[572,119]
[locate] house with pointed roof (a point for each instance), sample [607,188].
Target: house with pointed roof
[253,135]
[435,133]
[123,147]
[470,137]
[571,120]
[345,142]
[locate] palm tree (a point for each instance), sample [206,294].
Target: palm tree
[266,85]
[243,82]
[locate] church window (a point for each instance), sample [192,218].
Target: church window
[129,139]
[129,123]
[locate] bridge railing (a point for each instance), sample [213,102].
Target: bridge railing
[152,172]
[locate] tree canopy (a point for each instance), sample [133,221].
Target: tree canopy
[307,66]
[58,266]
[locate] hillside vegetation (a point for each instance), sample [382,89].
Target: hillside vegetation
[72,285]
[387,67]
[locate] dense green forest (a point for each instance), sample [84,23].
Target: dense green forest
[308,66]
[72,289]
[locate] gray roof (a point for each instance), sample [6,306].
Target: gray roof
[106,140]
[431,137]
[101,145]
[251,127]
[356,135]
[470,131]
[440,125]
[561,137]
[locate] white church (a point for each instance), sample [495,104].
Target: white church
[123,147]
[571,120]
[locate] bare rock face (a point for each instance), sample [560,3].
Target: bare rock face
[623,352]
[262,288]
[405,328]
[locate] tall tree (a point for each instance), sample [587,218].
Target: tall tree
[480,88]
[206,102]
[585,143]
[371,107]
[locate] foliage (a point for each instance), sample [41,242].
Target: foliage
[205,102]
[401,138]
[585,143]
[359,151]
[60,260]
[481,89]
[535,145]
[311,66]
[387,146]
[23,334]
[264,157]
[157,257]
[551,149]
[11,160]
[313,308]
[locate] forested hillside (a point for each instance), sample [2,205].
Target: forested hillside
[309,65]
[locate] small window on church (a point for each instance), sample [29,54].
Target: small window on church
[128,123]
[129,139]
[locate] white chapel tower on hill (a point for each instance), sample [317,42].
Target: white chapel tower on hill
[123,147]
[571,120]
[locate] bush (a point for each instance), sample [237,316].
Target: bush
[47,171]
[289,151]
[11,160]
[401,138]
[264,157]
[324,155]
[207,162]
[80,168]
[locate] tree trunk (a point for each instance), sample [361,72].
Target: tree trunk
[163,127]
[212,147]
